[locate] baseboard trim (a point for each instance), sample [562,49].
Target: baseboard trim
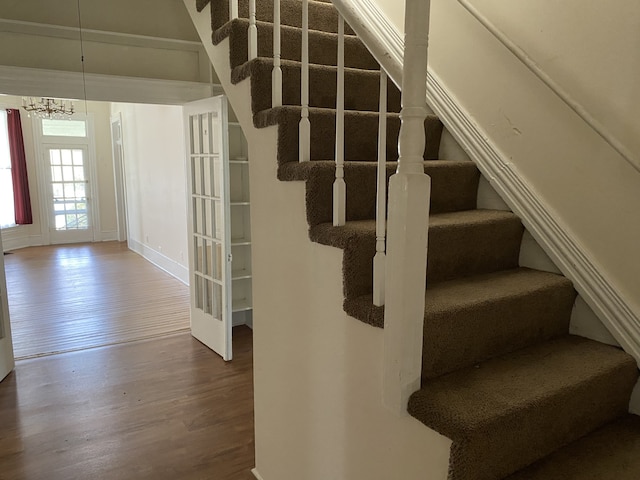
[109,235]
[170,266]
[599,293]
[387,46]
[256,474]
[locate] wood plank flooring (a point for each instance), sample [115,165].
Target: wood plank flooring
[71,297]
[165,408]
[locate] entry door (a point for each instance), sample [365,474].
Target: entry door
[209,231]
[69,194]
[6,347]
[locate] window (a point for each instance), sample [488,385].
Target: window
[64,128]
[7,213]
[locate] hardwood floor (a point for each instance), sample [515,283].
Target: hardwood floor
[166,408]
[70,297]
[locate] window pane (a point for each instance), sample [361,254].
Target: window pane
[64,128]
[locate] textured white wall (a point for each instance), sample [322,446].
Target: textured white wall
[154,152]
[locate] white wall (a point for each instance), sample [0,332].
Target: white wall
[30,235]
[154,153]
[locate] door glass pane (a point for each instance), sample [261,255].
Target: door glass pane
[69,189]
[64,128]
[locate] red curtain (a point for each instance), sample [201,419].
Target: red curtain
[21,197]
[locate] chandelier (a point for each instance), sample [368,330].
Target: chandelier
[48,107]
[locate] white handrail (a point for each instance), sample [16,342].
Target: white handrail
[253,31]
[339,186]
[276,96]
[233,9]
[598,127]
[408,224]
[305,124]
[379,261]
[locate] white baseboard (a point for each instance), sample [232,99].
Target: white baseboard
[170,266]
[256,474]
[109,235]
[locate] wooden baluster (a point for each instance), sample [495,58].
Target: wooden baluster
[253,31]
[305,124]
[339,186]
[233,9]
[277,69]
[407,228]
[379,260]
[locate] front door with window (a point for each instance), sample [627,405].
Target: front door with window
[68,152]
[69,194]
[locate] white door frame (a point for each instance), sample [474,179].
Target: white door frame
[120,177]
[6,347]
[39,140]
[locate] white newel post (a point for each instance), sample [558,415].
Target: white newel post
[409,193]
[305,124]
[379,261]
[253,31]
[276,99]
[339,185]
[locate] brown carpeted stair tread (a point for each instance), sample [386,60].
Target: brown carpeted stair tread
[610,453]
[361,133]
[472,319]
[453,187]
[361,86]
[323,46]
[322,15]
[510,411]
[460,244]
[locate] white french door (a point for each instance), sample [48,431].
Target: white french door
[69,193]
[209,231]
[6,347]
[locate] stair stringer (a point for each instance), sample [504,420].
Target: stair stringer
[317,371]
[617,312]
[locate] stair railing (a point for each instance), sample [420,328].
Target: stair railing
[400,268]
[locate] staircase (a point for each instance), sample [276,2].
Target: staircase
[502,378]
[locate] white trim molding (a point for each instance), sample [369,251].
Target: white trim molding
[23,81]
[161,261]
[614,310]
[256,474]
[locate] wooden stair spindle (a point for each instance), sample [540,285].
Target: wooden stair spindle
[409,194]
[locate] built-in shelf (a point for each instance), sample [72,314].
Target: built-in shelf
[241,274]
[241,305]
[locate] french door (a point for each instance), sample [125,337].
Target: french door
[69,193]
[209,231]
[6,347]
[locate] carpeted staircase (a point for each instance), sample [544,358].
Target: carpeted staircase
[502,377]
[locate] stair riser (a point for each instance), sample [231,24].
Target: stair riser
[453,188]
[361,136]
[323,47]
[453,252]
[322,16]
[462,250]
[533,434]
[465,337]
[358,85]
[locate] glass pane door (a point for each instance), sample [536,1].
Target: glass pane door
[69,194]
[210,235]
